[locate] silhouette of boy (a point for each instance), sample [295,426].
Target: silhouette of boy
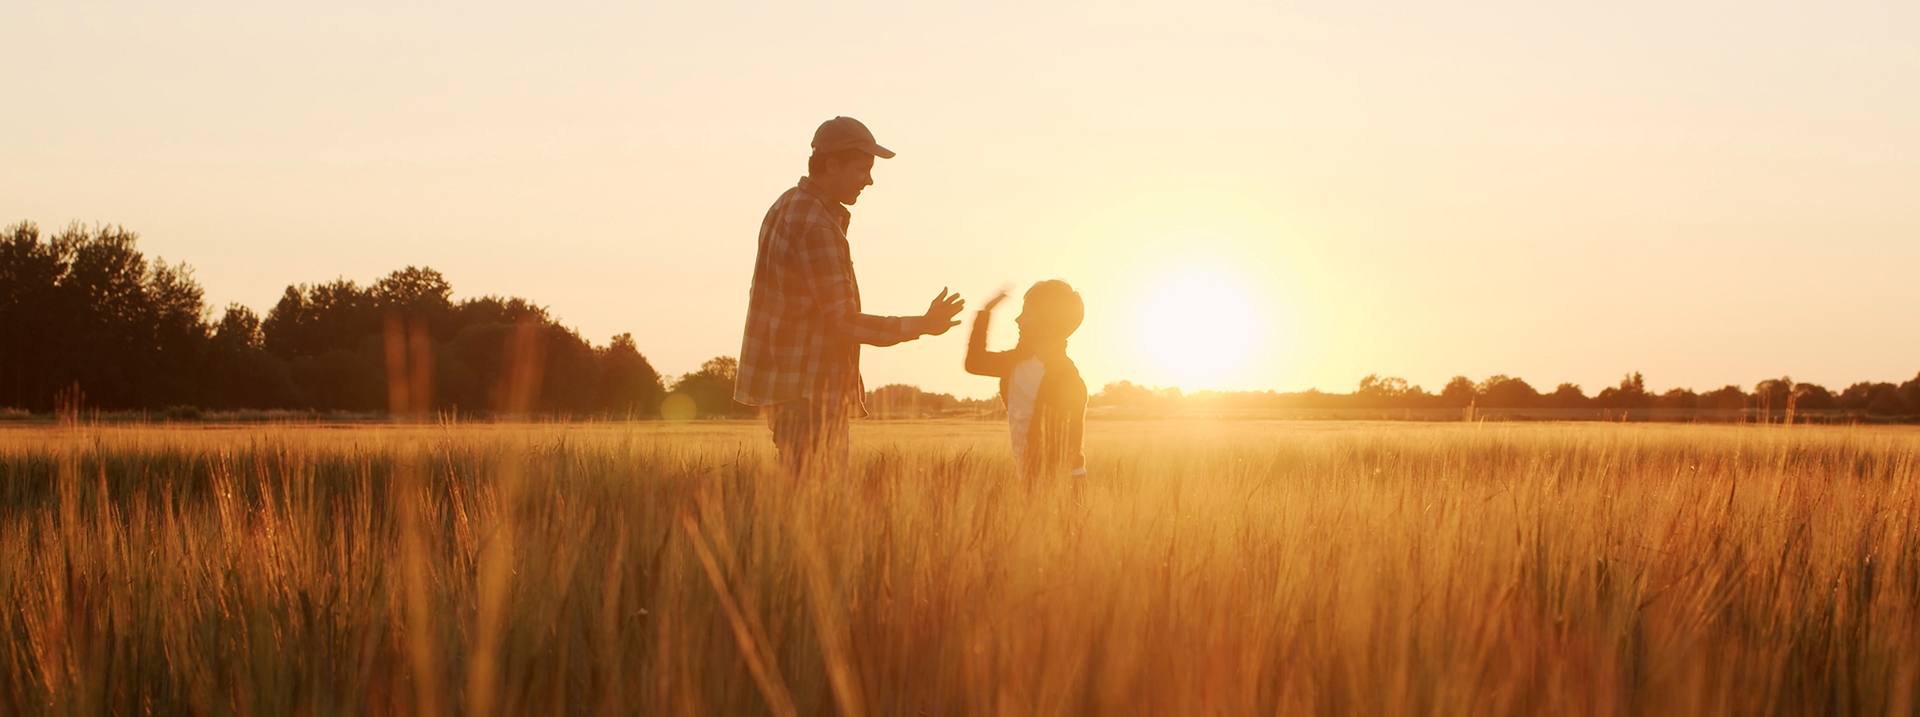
[1045,397]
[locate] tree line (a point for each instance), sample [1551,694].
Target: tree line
[87,317]
[1506,392]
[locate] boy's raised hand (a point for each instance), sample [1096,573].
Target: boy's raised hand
[940,313]
[998,297]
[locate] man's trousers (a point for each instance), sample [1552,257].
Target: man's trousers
[810,437]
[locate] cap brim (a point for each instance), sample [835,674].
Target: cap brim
[877,151]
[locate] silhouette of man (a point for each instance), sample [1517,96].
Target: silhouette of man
[800,355]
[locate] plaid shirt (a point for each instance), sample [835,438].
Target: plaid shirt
[804,326]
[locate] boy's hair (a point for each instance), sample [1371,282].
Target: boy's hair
[1057,305]
[817,163]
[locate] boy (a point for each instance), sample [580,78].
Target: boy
[1045,398]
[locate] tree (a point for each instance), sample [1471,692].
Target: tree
[1910,394]
[419,297]
[1123,393]
[1772,394]
[472,366]
[31,318]
[416,289]
[1631,393]
[320,319]
[331,337]
[86,307]
[1501,391]
[239,328]
[899,400]
[240,373]
[1459,392]
[338,381]
[570,382]
[711,387]
[1725,398]
[1881,399]
[1567,395]
[1677,398]
[629,385]
[1377,392]
[1812,397]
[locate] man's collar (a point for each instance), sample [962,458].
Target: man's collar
[813,188]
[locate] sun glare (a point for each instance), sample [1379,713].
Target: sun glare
[1199,327]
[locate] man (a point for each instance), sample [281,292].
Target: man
[800,356]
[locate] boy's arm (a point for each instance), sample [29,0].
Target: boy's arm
[980,361]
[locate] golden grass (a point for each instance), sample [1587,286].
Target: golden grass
[1205,568]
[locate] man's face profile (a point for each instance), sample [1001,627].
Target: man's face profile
[843,181]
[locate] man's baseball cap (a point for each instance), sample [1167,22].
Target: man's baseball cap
[842,133]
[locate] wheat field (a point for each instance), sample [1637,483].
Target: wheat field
[1203,568]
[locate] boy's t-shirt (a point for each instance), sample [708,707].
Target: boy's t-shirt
[1023,386]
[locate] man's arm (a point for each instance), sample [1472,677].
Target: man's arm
[826,267]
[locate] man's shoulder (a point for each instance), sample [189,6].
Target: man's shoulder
[797,202]
[794,215]
[786,203]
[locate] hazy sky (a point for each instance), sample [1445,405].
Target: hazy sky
[1709,193]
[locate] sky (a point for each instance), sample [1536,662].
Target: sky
[1248,195]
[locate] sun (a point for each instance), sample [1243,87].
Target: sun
[1200,326]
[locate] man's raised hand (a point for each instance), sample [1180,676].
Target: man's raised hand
[940,313]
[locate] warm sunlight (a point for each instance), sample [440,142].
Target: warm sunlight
[1522,358]
[1199,326]
[1203,308]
